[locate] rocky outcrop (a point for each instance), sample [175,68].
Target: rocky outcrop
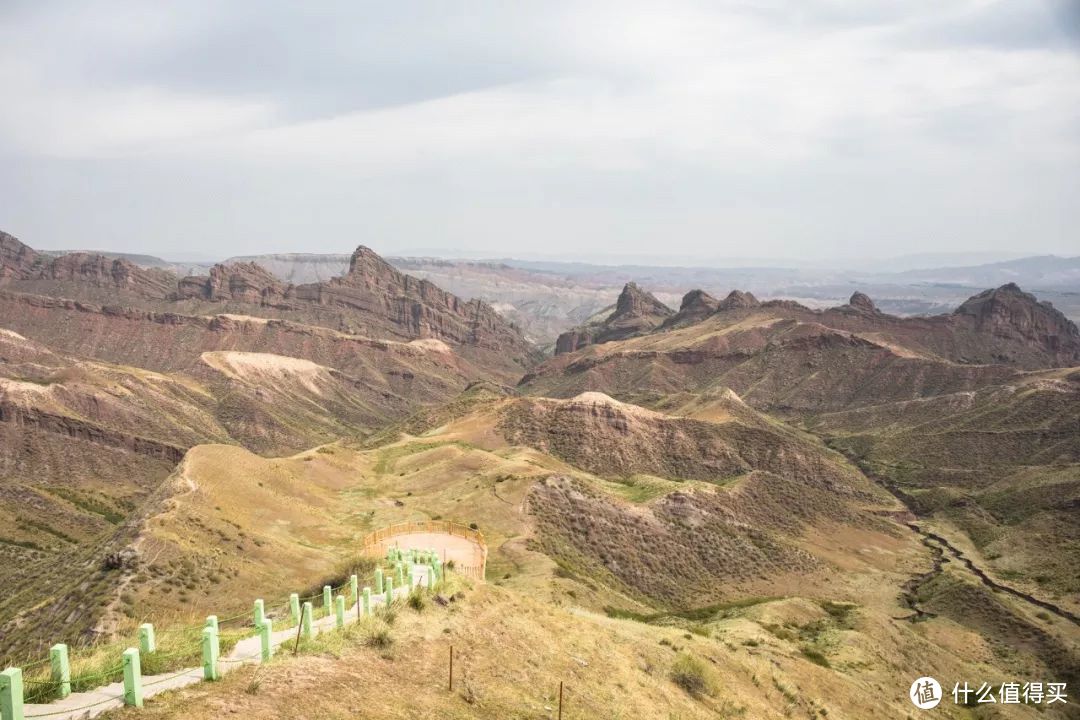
[861,302]
[635,304]
[636,312]
[21,263]
[373,298]
[738,300]
[99,271]
[17,261]
[1009,313]
[235,282]
[78,429]
[607,437]
[696,306]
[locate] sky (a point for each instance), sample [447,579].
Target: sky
[809,129]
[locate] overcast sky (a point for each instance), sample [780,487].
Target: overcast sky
[763,128]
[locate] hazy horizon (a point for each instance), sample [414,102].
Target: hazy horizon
[904,261]
[810,132]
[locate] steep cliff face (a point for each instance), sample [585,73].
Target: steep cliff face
[21,264]
[17,261]
[237,282]
[411,307]
[636,312]
[99,271]
[376,300]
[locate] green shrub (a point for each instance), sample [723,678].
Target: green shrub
[379,637]
[417,601]
[815,656]
[692,675]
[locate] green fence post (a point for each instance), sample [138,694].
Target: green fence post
[294,608]
[211,622]
[327,599]
[210,650]
[367,600]
[306,631]
[430,577]
[339,611]
[61,669]
[132,678]
[354,585]
[400,569]
[259,615]
[378,580]
[266,639]
[389,591]
[11,694]
[147,640]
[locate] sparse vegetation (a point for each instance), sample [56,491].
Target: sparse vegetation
[815,656]
[417,601]
[692,675]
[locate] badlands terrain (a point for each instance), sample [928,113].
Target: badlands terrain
[709,507]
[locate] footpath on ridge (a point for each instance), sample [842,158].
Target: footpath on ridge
[464,552]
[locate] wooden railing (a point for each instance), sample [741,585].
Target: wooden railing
[425,526]
[373,540]
[473,572]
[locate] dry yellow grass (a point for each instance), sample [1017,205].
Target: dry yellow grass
[512,650]
[534,624]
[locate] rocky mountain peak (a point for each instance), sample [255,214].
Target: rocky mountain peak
[636,311]
[737,299]
[696,306]
[698,301]
[367,264]
[862,301]
[1010,313]
[635,302]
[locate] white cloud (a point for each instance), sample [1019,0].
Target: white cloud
[811,123]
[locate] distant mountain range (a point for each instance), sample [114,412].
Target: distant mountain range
[546,298]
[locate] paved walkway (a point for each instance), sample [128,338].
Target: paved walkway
[78,706]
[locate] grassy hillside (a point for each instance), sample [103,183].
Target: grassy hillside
[777,594]
[770,658]
[999,466]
